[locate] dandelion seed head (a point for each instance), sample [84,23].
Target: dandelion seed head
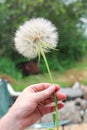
[35,34]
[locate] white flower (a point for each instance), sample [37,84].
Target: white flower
[35,34]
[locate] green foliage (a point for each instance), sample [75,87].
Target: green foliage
[8,67]
[72,44]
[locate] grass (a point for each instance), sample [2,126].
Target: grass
[33,79]
[65,79]
[78,72]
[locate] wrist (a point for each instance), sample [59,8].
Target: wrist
[10,122]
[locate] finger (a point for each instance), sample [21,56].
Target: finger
[42,86]
[51,108]
[40,96]
[48,100]
[60,96]
[51,99]
[37,87]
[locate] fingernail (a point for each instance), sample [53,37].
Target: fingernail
[51,88]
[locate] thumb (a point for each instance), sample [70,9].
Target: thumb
[40,96]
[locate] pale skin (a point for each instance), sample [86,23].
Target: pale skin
[33,103]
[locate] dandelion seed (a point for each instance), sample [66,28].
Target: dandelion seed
[35,34]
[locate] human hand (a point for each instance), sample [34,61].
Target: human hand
[34,102]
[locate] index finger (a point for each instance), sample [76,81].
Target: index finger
[42,86]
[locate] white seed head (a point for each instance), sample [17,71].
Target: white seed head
[35,34]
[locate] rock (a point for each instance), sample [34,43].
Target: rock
[78,102]
[75,108]
[72,93]
[84,104]
[76,85]
[85,116]
[84,88]
[70,112]
[82,113]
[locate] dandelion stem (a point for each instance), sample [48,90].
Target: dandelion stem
[47,66]
[51,79]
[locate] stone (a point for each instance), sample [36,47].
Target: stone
[78,102]
[81,103]
[82,113]
[74,110]
[84,104]
[84,89]
[70,112]
[85,116]
[72,93]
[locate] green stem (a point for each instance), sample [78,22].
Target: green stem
[51,79]
[47,66]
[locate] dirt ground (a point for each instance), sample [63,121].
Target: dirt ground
[76,127]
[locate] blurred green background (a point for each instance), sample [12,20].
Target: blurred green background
[69,63]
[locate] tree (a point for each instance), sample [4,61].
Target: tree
[66,17]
